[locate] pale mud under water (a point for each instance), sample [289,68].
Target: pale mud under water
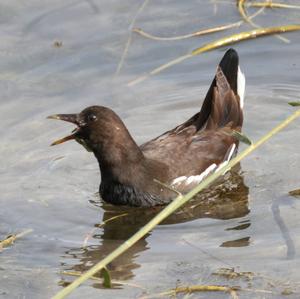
[60,57]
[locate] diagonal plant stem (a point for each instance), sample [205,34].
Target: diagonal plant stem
[273,5]
[197,33]
[225,41]
[173,206]
[125,51]
[241,8]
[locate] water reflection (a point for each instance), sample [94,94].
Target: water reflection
[237,243]
[225,200]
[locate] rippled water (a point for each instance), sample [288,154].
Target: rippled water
[59,57]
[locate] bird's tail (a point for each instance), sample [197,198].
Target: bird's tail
[223,104]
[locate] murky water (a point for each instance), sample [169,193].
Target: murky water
[61,56]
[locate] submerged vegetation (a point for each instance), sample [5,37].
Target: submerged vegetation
[9,240]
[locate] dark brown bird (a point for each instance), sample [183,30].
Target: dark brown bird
[180,158]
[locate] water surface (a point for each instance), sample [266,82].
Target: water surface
[60,57]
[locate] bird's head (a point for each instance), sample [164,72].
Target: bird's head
[95,125]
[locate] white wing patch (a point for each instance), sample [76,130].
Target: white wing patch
[241,83]
[184,181]
[229,156]
[193,179]
[178,180]
[230,152]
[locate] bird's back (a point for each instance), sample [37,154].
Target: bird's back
[204,141]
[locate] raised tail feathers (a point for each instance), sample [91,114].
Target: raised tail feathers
[224,100]
[226,109]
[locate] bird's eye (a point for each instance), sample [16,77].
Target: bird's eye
[92,117]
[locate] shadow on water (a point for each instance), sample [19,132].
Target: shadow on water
[283,228]
[227,199]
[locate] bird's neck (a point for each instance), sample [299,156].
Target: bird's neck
[133,183]
[126,173]
[119,157]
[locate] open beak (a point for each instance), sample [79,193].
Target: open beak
[72,118]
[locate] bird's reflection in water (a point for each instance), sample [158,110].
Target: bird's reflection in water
[226,199]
